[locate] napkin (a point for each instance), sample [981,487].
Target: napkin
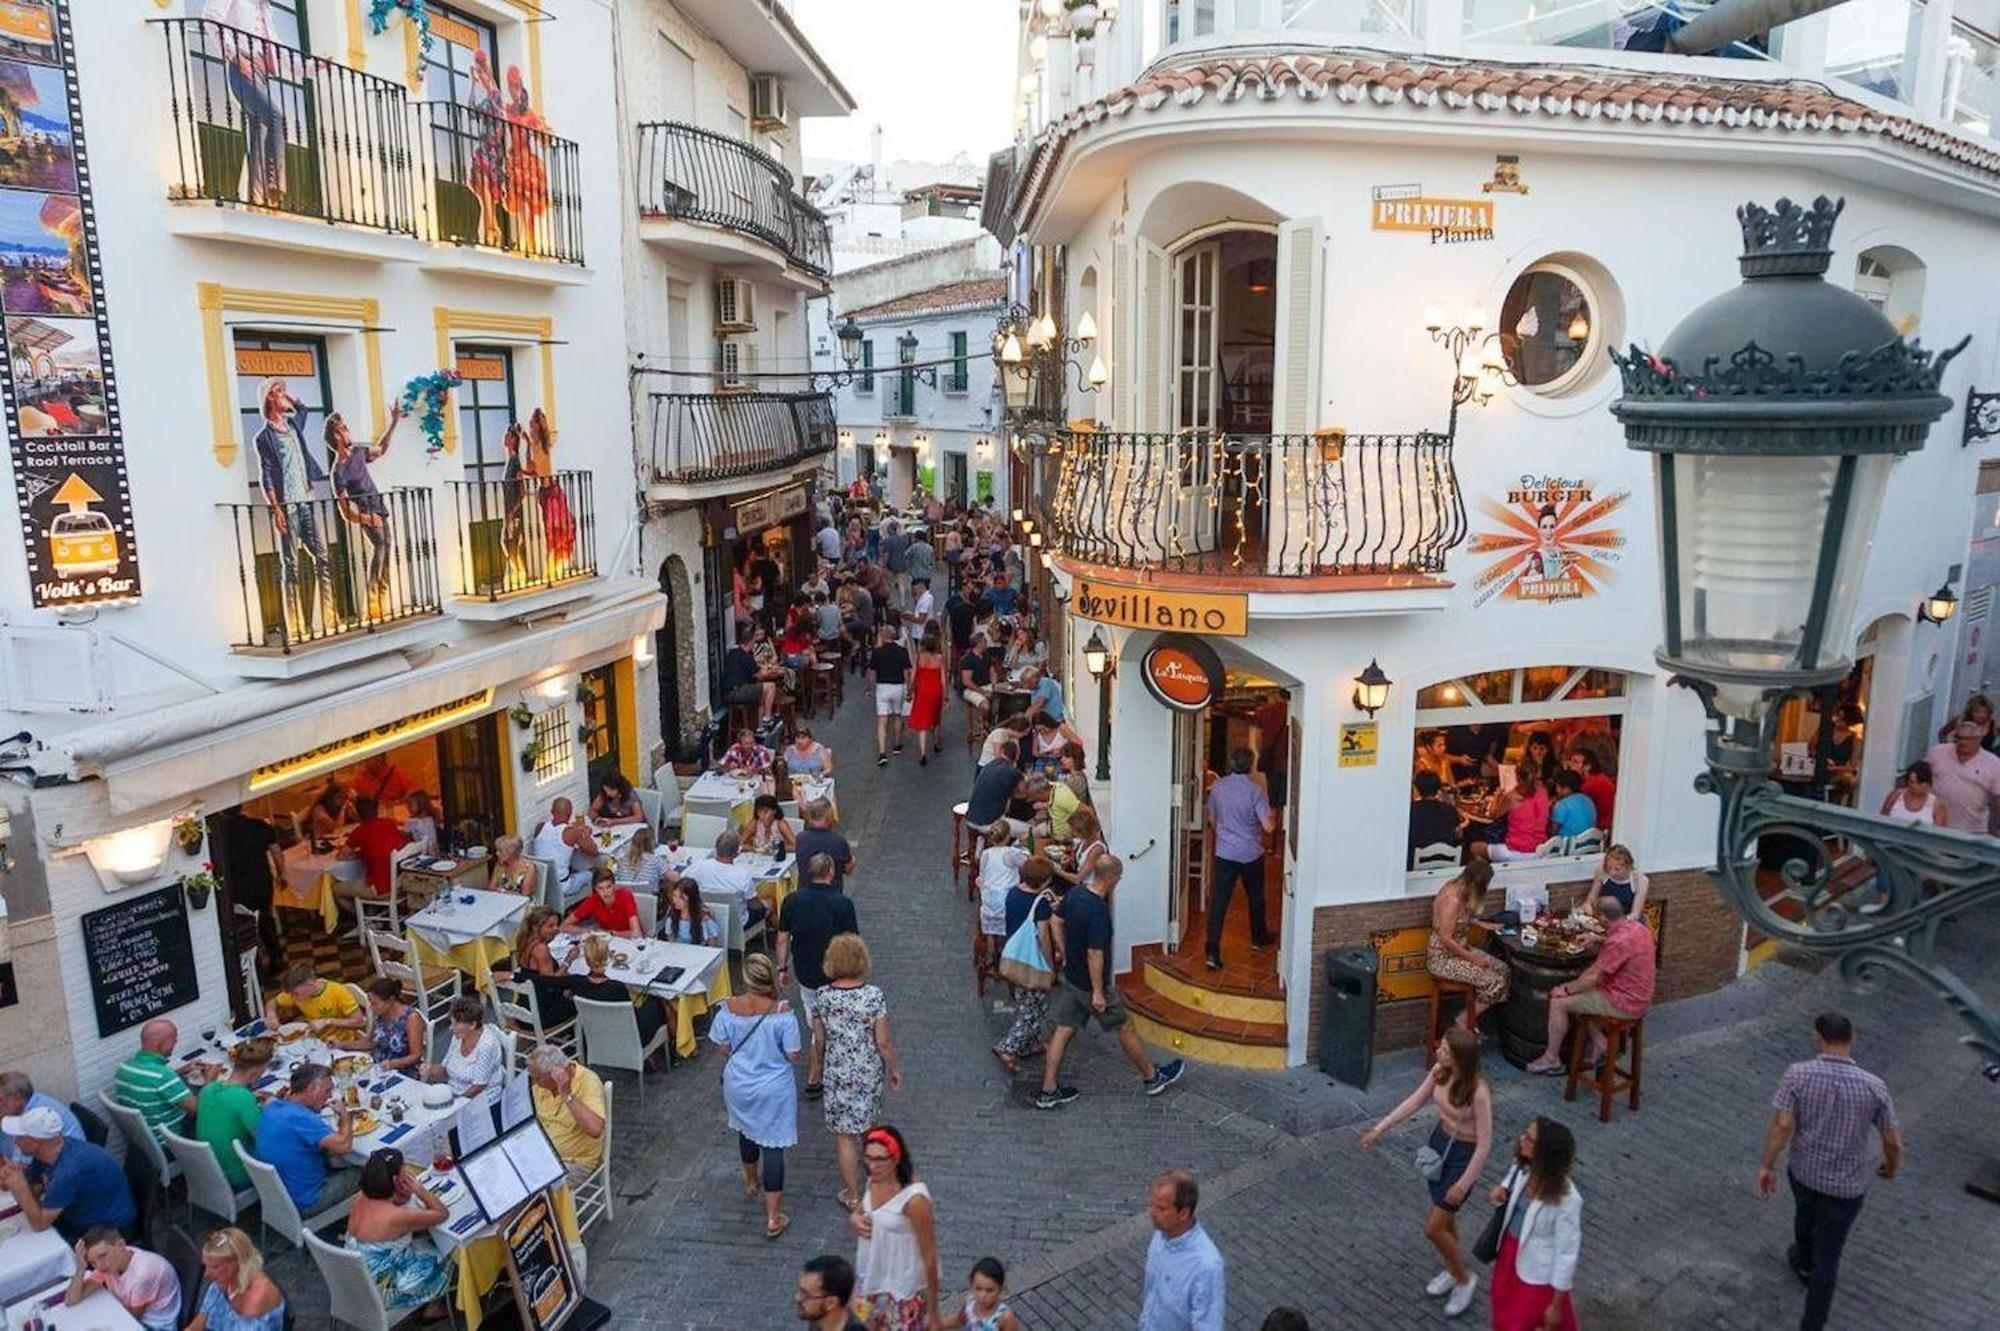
[268,1079]
[470,1222]
[398,1132]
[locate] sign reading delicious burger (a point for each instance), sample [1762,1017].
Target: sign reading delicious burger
[1182,672]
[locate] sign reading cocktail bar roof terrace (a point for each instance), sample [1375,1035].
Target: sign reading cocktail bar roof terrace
[1182,671]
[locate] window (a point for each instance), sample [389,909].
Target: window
[599,728]
[553,742]
[300,363]
[456,37]
[1549,333]
[1189,18]
[1504,751]
[1891,279]
[486,408]
[957,380]
[866,383]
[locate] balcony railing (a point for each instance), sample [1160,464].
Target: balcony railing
[713,436]
[322,569]
[1258,505]
[259,123]
[524,535]
[490,181]
[697,175]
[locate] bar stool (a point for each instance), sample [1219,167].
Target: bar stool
[829,686]
[1621,1035]
[1440,990]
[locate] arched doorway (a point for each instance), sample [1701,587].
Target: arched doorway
[673,651]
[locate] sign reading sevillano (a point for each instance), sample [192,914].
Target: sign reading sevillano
[337,752]
[1448,221]
[1224,614]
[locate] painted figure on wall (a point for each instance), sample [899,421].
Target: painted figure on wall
[250,51]
[1549,560]
[488,177]
[361,502]
[558,524]
[527,174]
[288,473]
[513,532]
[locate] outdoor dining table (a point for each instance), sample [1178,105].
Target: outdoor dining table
[1524,1016]
[97,1311]
[29,1260]
[468,929]
[722,788]
[473,1242]
[310,876]
[702,983]
[775,877]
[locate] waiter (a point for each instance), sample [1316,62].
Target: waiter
[1241,817]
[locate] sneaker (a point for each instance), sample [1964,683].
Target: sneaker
[1165,1075]
[1461,1296]
[1213,963]
[1057,1098]
[1799,1268]
[1440,1285]
[899,746]
[923,760]
[881,760]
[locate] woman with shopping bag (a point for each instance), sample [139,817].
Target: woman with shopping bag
[1031,958]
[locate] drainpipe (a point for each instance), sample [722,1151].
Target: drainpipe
[1733,20]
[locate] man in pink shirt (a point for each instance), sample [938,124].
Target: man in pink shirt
[143,1282]
[1618,984]
[1967,778]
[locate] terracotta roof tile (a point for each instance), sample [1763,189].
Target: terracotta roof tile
[952,295]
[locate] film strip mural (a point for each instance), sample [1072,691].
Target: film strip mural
[63,430]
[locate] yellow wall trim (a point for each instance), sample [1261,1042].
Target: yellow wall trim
[213,300]
[357,36]
[625,674]
[1206,1048]
[453,323]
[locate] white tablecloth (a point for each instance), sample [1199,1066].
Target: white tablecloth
[487,915]
[30,1261]
[762,868]
[646,958]
[721,788]
[98,1312]
[303,868]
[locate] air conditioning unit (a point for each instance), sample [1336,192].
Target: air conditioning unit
[735,363]
[735,305]
[767,102]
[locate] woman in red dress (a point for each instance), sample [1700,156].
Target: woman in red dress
[1542,1234]
[558,526]
[927,692]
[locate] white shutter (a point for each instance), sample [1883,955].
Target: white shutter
[1156,338]
[1123,360]
[1297,532]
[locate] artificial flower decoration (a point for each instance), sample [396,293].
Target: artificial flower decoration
[423,397]
[413,11]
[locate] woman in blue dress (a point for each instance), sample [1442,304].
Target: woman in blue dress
[759,1037]
[385,1227]
[237,1295]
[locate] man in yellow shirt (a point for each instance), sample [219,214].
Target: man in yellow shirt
[334,1013]
[569,1101]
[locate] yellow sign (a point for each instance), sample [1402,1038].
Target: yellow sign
[28,23]
[1401,971]
[458,34]
[337,752]
[1357,743]
[262,361]
[486,369]
[1444,219]
[1217,614]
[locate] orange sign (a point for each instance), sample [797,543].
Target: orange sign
[1440,217]
[259,361]
[486,369]
[1182,672]
[28,23]
[1223,613]
[458,34]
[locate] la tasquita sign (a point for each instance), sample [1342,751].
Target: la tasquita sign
[1220,614]
[1182,672]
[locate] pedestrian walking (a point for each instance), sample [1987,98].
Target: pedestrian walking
[927,693]
[825,1289]
[1084,989]
[889,671]
[1187,1288]
[1038,891]
[1453,1157]
[808,922]
[1825,1108]
[896,1259]
[1540,1234]
[851,1026]
[985,1307]
[759,1043]
[1241,816]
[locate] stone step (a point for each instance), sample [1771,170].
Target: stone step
[1202,1035]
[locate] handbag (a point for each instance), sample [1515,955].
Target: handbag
[1429,1163]
[1021,961]
[1487,1246]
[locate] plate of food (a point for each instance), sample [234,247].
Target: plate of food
[293,1031]
[443,866]
[353,1065]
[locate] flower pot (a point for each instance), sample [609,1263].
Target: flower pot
[197,897]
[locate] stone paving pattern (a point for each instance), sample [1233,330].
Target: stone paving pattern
[1673,1236]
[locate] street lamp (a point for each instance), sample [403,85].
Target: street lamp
[849,335]
[1774,413]
[1939,606]
[1098,660]
[1029,350]
[1371,689]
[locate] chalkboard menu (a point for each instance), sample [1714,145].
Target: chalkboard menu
[141,959]
[545,1285]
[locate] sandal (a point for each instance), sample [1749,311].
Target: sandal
[773,1231]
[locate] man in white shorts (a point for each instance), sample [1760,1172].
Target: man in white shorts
[889,670]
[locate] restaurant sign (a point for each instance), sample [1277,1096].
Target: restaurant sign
[338,752]
[767,510]
[1446,221]
[1183,672]
[1224,614]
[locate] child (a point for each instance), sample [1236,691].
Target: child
[984,1310]
[999,873]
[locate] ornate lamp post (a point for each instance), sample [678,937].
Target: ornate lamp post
[1097,659]
[1774,413]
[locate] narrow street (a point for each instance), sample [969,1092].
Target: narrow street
[1302,1214]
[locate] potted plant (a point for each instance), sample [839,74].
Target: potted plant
[1082,17]
[531,754]
[199,886]
[189,835]
[586,692]
[521,715]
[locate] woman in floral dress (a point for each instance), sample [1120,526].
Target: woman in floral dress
[851,1023]
[487,177]
[1451,956]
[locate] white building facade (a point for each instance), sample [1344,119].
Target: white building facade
[1265,214]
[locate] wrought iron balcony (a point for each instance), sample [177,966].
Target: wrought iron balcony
[697,175]
[488,181]
[261,124]
[312,572]
[524,535]
[1256,505]
[714,436]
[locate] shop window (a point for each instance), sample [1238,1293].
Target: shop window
[866,383]
[554,739]
[1499,741]
[1555,322]
[599,727]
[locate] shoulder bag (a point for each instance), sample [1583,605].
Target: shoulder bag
[1487,1246]
[1021,961]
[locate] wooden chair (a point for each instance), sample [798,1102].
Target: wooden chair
[520,1014]
[985,956]
[1441,990]
[1621,1036]
[430,989]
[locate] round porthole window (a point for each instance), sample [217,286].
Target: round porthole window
[1552,329]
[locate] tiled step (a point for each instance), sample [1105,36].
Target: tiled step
[1236,992]
[1202,1035]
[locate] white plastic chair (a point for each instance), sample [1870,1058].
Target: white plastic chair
[700,830]
[1586,843]
[650,801]
[142,1138]
[610,1036]
[431,988]
[1436,855]
[1553,846]
[521,1012]
[649,911]
[356,1298]
[593,1195]
[276,1210]
[207,1186]
[737,934]
[548,885]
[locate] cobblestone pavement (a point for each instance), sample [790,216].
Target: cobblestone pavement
[1673,1236]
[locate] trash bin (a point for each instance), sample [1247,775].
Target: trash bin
[1347,1027]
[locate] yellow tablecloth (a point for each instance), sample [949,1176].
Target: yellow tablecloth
[475,957]
[775,890]
[320,898]
[484,1261]
[689,1006]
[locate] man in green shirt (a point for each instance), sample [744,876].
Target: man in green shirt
[148,1083]
[228,1110]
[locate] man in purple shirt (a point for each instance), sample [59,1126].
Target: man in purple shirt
[1240,816]
[1825,1109]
